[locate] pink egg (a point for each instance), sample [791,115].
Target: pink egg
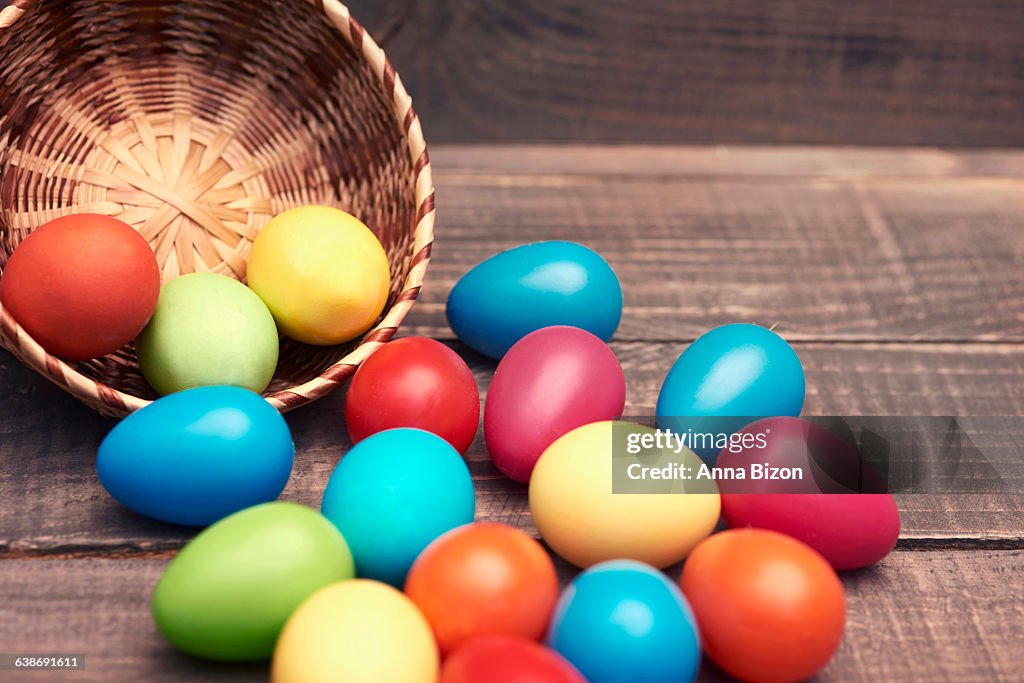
[851,530]
[550,382]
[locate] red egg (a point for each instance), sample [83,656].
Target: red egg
[770,609]
[849,529]
[484,579]
[550,382]
[505,659]
[414,382]
[82,285]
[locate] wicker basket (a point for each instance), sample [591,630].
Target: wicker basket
[196,122]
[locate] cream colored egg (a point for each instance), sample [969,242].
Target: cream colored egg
[582,517]
[357,631]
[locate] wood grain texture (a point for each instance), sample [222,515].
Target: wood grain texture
[641,161]
[829,244]
[872,72]
[937,616]
[51,501]
[896,273]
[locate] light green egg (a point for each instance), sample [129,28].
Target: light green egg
[208,330]
[229,592]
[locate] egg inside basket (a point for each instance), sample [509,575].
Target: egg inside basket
[196,122]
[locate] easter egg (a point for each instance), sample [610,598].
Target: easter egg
[770,608]
[321,272]
[504,298]
[507,659]
[392,494]
[228,593]
[550,382]
[483,579]
[734,370]
[357,631]
[414,382]
[196,456]
[828,509]
[581,518]
[82,285]
[624,621]
[208,330]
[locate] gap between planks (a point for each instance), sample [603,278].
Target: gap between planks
[166,550]
[482,164]
[794,338]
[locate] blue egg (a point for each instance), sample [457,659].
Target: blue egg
[743,371]
[504,298]
[392,494]
[623,621]
[198,455]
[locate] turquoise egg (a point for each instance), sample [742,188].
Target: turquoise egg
[743,371]
[504,298]
[625,621]
[394,493]
[197,455]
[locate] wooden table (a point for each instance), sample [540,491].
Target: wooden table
[897,274]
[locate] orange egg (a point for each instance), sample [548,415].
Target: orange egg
[484,579]
[769,608]
[82,286]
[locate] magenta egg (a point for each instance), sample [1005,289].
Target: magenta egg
[550,382]
[850,529]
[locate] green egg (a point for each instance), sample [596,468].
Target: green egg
[229,592]
[208,330]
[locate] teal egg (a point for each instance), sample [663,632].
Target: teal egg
[229,592]
[623,620]
[394,493]
[208,330]
[735,371]
[198,455]
[506,297]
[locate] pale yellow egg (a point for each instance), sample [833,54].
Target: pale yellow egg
[581,516]
[357,631]
[322,273]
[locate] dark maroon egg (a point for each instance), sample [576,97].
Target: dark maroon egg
[828,510]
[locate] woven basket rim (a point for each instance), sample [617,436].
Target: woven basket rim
[116,403]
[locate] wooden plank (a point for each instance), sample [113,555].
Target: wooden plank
[917,616]
[852,258]
[453,162]
[873,72]
[99,609]
[51,502]
[934,616]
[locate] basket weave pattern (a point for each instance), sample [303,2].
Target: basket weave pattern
[196,123]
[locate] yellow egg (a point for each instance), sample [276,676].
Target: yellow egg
[357,631]
[586,522]
[321,272]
